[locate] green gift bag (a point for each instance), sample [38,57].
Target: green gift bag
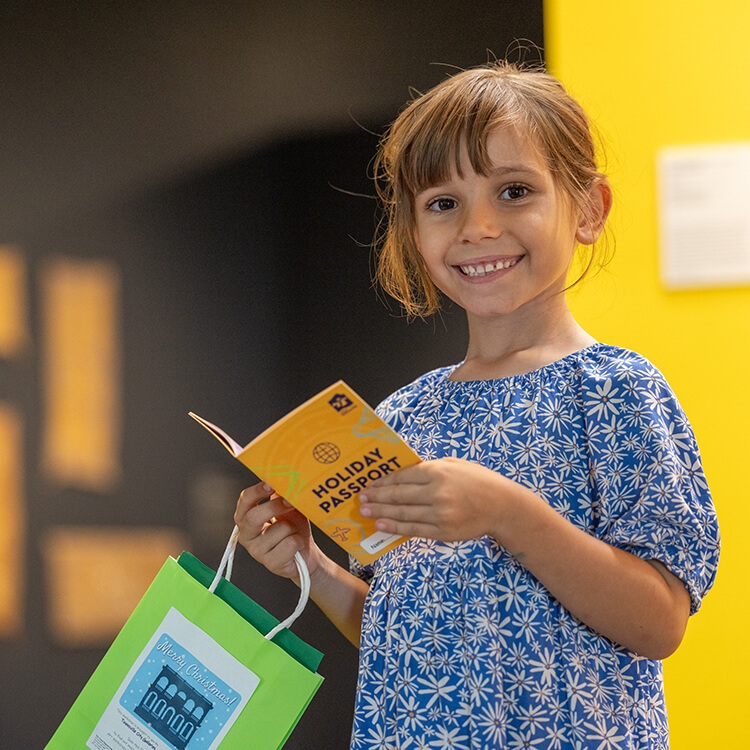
[192,670]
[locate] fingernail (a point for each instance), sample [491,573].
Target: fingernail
[362,498]
[267,487]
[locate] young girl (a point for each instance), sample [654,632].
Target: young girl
[560,527]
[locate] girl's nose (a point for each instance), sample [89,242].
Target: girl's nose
[481,221]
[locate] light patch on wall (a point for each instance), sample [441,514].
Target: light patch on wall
[704,194]
[14,331]
[97,575]
[12,523]
[80,309]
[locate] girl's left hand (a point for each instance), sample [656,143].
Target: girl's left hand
[447,499]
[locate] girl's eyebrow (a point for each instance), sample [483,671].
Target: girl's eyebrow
[504,169]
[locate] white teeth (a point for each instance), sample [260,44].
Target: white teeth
[483,270]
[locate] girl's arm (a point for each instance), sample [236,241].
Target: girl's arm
[341,596]
[636,603]
[272,531]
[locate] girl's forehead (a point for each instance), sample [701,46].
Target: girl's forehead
[511,146]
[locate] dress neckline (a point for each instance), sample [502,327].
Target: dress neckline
[557,364]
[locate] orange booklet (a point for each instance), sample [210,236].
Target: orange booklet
[320,456]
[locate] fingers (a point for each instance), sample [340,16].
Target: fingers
[405,527]
[406,501]
[399,504]
[276,549]
[418,474]
[249,498]
[256,510]
[415,501]
[405,486]
[256,507]
[397,511]
[271,530]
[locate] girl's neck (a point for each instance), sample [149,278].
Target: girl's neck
[502,348]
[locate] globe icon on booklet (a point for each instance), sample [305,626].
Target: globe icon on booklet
[326,453]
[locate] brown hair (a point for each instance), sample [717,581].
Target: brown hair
[422,147]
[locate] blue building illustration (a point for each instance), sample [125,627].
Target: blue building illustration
[173,708]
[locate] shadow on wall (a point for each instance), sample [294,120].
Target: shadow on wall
[245,290]
[277,302]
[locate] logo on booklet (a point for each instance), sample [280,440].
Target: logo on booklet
[341,403]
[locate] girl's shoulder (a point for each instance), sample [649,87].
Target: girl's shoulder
[610,382]
[600,363]
[605,360]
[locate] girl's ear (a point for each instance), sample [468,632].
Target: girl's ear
[591,221]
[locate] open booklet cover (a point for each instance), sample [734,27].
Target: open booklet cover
[320,456]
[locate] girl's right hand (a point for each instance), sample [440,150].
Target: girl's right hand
[272,531]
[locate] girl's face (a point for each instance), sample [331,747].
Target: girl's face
[502,242]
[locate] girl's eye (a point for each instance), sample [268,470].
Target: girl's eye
[441,204]
[514,193]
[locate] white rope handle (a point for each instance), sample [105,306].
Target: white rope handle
[304,581]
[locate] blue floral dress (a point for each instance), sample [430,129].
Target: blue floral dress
[461,646]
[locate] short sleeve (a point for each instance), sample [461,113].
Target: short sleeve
[651,497]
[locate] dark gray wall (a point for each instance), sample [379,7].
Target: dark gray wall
[210,150]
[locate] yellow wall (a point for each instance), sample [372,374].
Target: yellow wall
[654,73]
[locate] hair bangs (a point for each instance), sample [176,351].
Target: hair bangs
[446,127]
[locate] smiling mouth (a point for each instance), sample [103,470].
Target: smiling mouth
[482,269]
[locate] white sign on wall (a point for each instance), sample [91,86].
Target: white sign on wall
[704,215]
